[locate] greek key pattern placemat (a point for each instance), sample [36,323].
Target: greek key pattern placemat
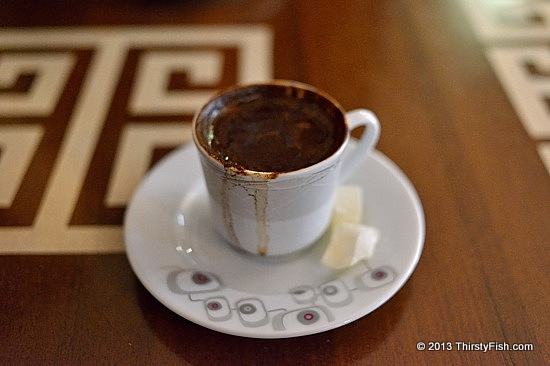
[516,36]
[85,112]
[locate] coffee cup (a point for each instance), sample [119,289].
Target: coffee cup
[273,155]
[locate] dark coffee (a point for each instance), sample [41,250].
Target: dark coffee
[273,129]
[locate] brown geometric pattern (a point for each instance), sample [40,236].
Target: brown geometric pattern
[516,35]
[85,112]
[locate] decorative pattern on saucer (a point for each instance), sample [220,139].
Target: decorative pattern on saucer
[300,308]
[177,255]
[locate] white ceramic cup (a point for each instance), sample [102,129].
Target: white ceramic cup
[279,213]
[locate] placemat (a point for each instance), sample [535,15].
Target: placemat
[516,37]
[85,112]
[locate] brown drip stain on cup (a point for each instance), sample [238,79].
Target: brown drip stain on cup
[228,218]
[262,131]
[260,197]
[260,204]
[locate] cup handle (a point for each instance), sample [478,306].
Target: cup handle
[357,118]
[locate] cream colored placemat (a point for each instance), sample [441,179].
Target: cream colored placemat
[516,36]
[85,112]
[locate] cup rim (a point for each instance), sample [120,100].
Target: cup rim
[247,174]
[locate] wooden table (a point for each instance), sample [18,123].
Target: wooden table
[457,86]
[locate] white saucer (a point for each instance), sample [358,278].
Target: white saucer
[235,293]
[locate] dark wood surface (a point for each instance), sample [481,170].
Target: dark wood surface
[446,121]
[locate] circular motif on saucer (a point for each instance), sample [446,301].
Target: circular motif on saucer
[308,317]
[200,278]
[214,305]
[330,290]
[247,308]
[379,275]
